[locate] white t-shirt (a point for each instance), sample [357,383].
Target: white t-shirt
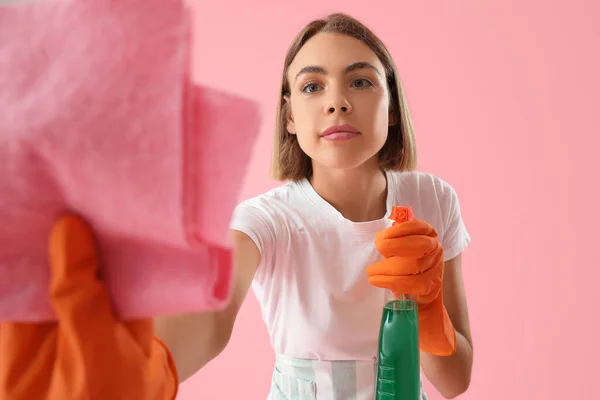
[312,284]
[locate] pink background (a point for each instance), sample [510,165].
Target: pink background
[505,97]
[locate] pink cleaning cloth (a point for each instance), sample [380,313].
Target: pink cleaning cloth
[100,117]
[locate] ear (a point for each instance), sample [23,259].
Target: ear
[289,118]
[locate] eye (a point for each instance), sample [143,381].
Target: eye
[361,83]
[310,87]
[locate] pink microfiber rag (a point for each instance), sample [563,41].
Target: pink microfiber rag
[99,116]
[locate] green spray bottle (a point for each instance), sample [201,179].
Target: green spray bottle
[398,364]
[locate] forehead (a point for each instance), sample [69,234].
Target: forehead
[333,52]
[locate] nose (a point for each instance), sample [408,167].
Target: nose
[338,104]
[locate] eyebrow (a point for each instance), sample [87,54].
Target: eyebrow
[315,69]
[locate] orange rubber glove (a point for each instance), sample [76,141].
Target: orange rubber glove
[87,354]
[413,264]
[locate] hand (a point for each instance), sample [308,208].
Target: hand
[87,354]
[413,264]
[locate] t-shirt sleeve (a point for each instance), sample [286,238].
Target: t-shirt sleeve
[254,221]
[455,237]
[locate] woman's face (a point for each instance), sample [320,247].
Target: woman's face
[339,101]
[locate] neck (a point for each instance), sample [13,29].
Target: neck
[359,194]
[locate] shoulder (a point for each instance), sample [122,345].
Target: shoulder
[425,187]
[269,203]
[434,200]
[263,217]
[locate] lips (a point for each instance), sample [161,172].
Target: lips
[339,132]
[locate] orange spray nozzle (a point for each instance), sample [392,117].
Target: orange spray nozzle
[399,215]
[402,214]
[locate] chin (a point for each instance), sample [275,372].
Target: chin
[346,161]
[347,156]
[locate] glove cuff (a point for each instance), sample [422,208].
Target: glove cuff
[171,383]
[436,331]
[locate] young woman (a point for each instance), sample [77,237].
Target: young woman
[345,143]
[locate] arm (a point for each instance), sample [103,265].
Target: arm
[452,375]
[196,339]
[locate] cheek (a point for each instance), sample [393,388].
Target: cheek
[382,110]
[303,124]
[375,114]
[383,118]
[304,120]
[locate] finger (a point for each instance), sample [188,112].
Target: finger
[426,286]
[390,267]
[401,266]
[79,298]
[27,358]
[407,246]
[87,333]
[414,227]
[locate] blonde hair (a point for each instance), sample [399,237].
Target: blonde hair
[399,150]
